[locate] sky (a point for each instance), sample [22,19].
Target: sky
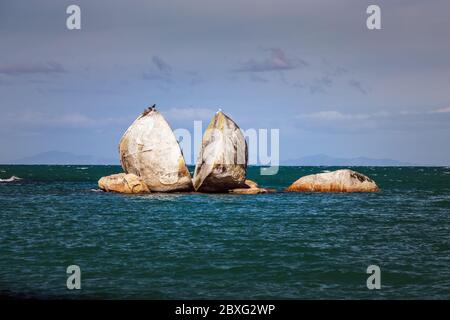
[311,69]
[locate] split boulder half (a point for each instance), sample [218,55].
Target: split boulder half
[344,180]
[222,161]
[149,150]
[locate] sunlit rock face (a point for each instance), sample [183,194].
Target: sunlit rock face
[222,162]
[336,181]
[150,150]
[123,183]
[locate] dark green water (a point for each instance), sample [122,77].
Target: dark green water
[282,245]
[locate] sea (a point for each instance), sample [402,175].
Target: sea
[224,246]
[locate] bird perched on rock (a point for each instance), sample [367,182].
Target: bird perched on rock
[148,110]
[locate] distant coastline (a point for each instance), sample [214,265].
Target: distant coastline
[323,160]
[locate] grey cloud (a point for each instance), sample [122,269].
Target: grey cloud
[318,85]
[257,78]
[32,119]
[161,71]
[277,61]
[161,65]
[339,122]
[194,78]
[31,68]
[357,85]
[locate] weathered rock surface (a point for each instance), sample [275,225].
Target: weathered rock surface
[251,183]
[150,150]
[222,162]
[337,181]
[251,187]
[251,190]
[123,183]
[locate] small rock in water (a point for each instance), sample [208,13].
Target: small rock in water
[344,180]
[12,179]
[251,187]
[123,183]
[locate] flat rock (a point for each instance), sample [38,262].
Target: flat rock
[123,183]
[251,183]
[344,180]
[150,150]
[251,187]
[251,190]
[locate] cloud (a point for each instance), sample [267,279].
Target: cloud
[334,116]
[189,114]
[331,70]
[357,85]
[194,78]
[161,71]
[257,78]
[32,68]
[161,65]
[336,121]
[35,119]
[442,110]
[318,85]
[277,61]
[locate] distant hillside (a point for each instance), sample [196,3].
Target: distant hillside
[324,160]
[66,158]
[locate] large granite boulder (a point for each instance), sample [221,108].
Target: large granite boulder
[337,181]
[150,150]
[222,162]
[123,183]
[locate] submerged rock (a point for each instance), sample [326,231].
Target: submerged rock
[251,187]
[123,183]
[150,150]
[337,181]
[222,162]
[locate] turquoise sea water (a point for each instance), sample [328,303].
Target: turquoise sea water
[220,246]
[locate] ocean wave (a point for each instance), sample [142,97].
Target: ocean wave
[12,179]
